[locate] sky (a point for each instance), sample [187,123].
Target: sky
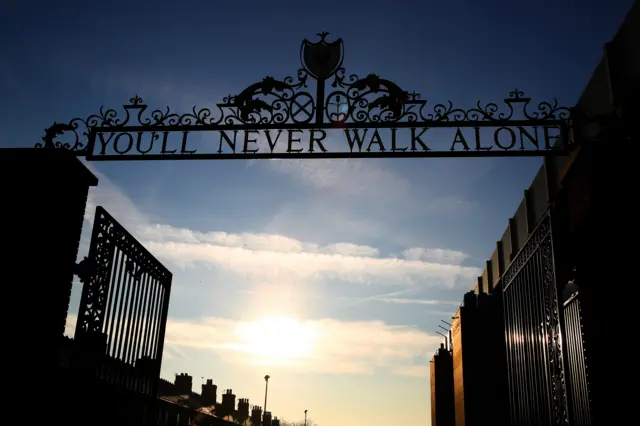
[331,276]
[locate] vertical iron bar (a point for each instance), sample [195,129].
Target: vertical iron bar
[133,324]
[158,319]
[117,295]
[106,369]
[557,307]
[128,316]
[121,320]
[151,319]
[163,325]
[526,286]
[508,335]
[155,319]
[138,355]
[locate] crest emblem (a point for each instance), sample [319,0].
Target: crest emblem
[322,59]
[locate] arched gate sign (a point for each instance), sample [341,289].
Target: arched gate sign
[283,119]
[376,118]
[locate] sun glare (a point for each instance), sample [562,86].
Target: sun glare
[281,340]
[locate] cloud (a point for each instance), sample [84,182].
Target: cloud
[275,257]
[417,301]
[451,257]
[419,370]
[393,297]
[346,177]
[450,204]
[260,242]
[324,346]
[274,265]
[367,178]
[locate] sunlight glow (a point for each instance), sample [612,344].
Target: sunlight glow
[279,340]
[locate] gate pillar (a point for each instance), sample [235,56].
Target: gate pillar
[43,198]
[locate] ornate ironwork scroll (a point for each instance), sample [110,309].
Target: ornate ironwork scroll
[124,305]
[533,333]
[341,100]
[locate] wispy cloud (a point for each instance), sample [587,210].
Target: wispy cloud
[450,204]
[417,301]
[259,242]
[393,298]
[341,177]
[273,257]
[346,177]
[451,257]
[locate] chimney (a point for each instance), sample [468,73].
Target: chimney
[275,422]
[266,420]
[243,408]
[183,384]
[209,393]
[228,402]
[256,416]
[443,349]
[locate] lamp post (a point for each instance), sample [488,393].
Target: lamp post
[305,417]
[266,389]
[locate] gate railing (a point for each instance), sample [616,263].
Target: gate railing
[533,333]
[123,308]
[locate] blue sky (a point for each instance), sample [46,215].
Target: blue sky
[361,259]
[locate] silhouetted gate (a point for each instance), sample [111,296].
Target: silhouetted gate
[578,393]
[533,333]
[123,309]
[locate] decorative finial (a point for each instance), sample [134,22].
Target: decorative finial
[517,94]
[136,100]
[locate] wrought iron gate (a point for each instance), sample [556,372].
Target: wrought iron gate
[123,308]
[533,333]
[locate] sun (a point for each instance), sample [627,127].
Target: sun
[278,339]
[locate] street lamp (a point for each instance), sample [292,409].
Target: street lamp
[305,417]
[266,389]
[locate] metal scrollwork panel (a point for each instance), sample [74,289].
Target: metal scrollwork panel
[95,274]
[373,99]
[370,101]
